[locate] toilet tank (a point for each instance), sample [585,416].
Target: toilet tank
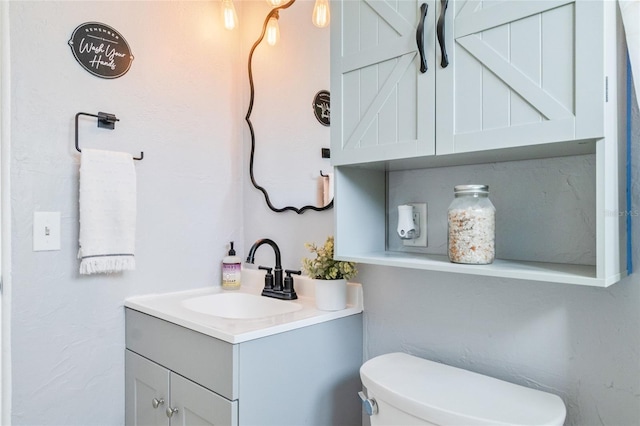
[413,391]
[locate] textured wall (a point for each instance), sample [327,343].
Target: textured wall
[178,103]
[545,208]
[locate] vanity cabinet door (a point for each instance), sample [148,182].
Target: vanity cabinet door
[155,396]
[146,392]
[198,406]
[382,104]
[521,73]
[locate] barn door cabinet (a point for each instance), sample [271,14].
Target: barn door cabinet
[522,80]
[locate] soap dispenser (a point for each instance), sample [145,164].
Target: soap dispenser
[231,270]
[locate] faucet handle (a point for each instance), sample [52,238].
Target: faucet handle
[268,278]
[288,282]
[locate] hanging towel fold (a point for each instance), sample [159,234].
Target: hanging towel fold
[107,212]
[328,188]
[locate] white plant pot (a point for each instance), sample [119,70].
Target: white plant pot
[331,295]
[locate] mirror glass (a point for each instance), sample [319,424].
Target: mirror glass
[287,137]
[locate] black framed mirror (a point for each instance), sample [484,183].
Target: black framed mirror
[283,84]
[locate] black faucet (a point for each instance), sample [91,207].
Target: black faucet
[274,285]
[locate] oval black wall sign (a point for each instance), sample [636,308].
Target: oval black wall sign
[322,107]
[101,50]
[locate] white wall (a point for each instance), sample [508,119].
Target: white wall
[179,104]
[5,222]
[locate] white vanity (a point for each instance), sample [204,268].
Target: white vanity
[299,367]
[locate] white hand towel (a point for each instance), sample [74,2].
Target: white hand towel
[107,212]
[328,188]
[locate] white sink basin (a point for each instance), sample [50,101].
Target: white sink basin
[239,305]
[242,315]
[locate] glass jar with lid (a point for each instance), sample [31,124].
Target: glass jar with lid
[471,225]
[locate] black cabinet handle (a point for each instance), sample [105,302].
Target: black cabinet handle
[420,38]
[440,30]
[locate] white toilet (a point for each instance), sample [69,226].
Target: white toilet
[406,390]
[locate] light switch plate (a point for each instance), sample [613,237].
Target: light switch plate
[419,209]
[46,231]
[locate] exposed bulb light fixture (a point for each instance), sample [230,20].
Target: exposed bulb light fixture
[273,30]
[229,14]
[275,3]
[321,14]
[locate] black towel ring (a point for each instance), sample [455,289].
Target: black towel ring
[105,121]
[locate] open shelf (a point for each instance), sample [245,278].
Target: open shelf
[536,271]
[560,216]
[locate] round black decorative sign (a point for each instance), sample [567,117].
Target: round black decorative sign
[322,107]
[101,50]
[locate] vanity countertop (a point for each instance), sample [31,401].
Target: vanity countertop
[169,307]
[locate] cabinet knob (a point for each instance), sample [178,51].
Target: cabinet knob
[369,405]
[171,411]
[157,402]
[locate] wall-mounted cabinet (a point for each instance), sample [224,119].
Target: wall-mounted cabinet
[525,80]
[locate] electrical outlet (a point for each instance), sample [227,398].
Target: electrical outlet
[420,216]
[46,231]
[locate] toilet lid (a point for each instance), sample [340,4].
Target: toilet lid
[443,394]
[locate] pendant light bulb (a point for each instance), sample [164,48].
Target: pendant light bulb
[273,30]
[321,14]
[229,14]
[275,3]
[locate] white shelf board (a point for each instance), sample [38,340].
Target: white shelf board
[522,270]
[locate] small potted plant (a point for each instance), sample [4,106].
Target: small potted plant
[330,276]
